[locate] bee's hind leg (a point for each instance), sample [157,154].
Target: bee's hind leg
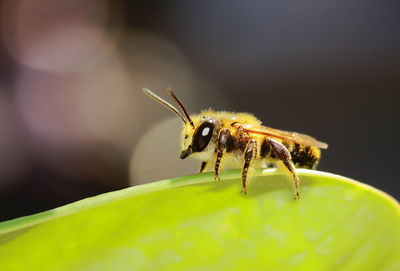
[289,165]
[249,153]
[224,142]
[282,153]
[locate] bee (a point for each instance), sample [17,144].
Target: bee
[239,140]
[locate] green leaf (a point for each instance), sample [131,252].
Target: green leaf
[196,223]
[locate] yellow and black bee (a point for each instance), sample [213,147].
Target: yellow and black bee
[228,139]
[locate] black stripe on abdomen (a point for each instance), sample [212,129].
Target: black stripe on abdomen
[304,156]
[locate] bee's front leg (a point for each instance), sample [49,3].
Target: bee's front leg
[202,166]
[250,151]
[224,141]
[284,155]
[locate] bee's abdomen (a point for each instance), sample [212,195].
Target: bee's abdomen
[304,156]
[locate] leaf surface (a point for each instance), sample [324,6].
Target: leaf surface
[196,223]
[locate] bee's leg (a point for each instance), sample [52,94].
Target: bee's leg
[282,153]
[202,166]
[249,152]
[224,141]
[289,165]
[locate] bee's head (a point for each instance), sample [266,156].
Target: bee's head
[196,139]
[197,131]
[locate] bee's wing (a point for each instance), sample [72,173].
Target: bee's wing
[289,136]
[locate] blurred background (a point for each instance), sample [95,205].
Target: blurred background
[74,122]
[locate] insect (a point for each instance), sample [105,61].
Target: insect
[219,138]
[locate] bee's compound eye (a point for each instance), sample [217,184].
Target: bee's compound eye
[205,131]
[202,136]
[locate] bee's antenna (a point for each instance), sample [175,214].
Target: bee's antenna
[166,104]
[171,93]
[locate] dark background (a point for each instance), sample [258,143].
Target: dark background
[72,114]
